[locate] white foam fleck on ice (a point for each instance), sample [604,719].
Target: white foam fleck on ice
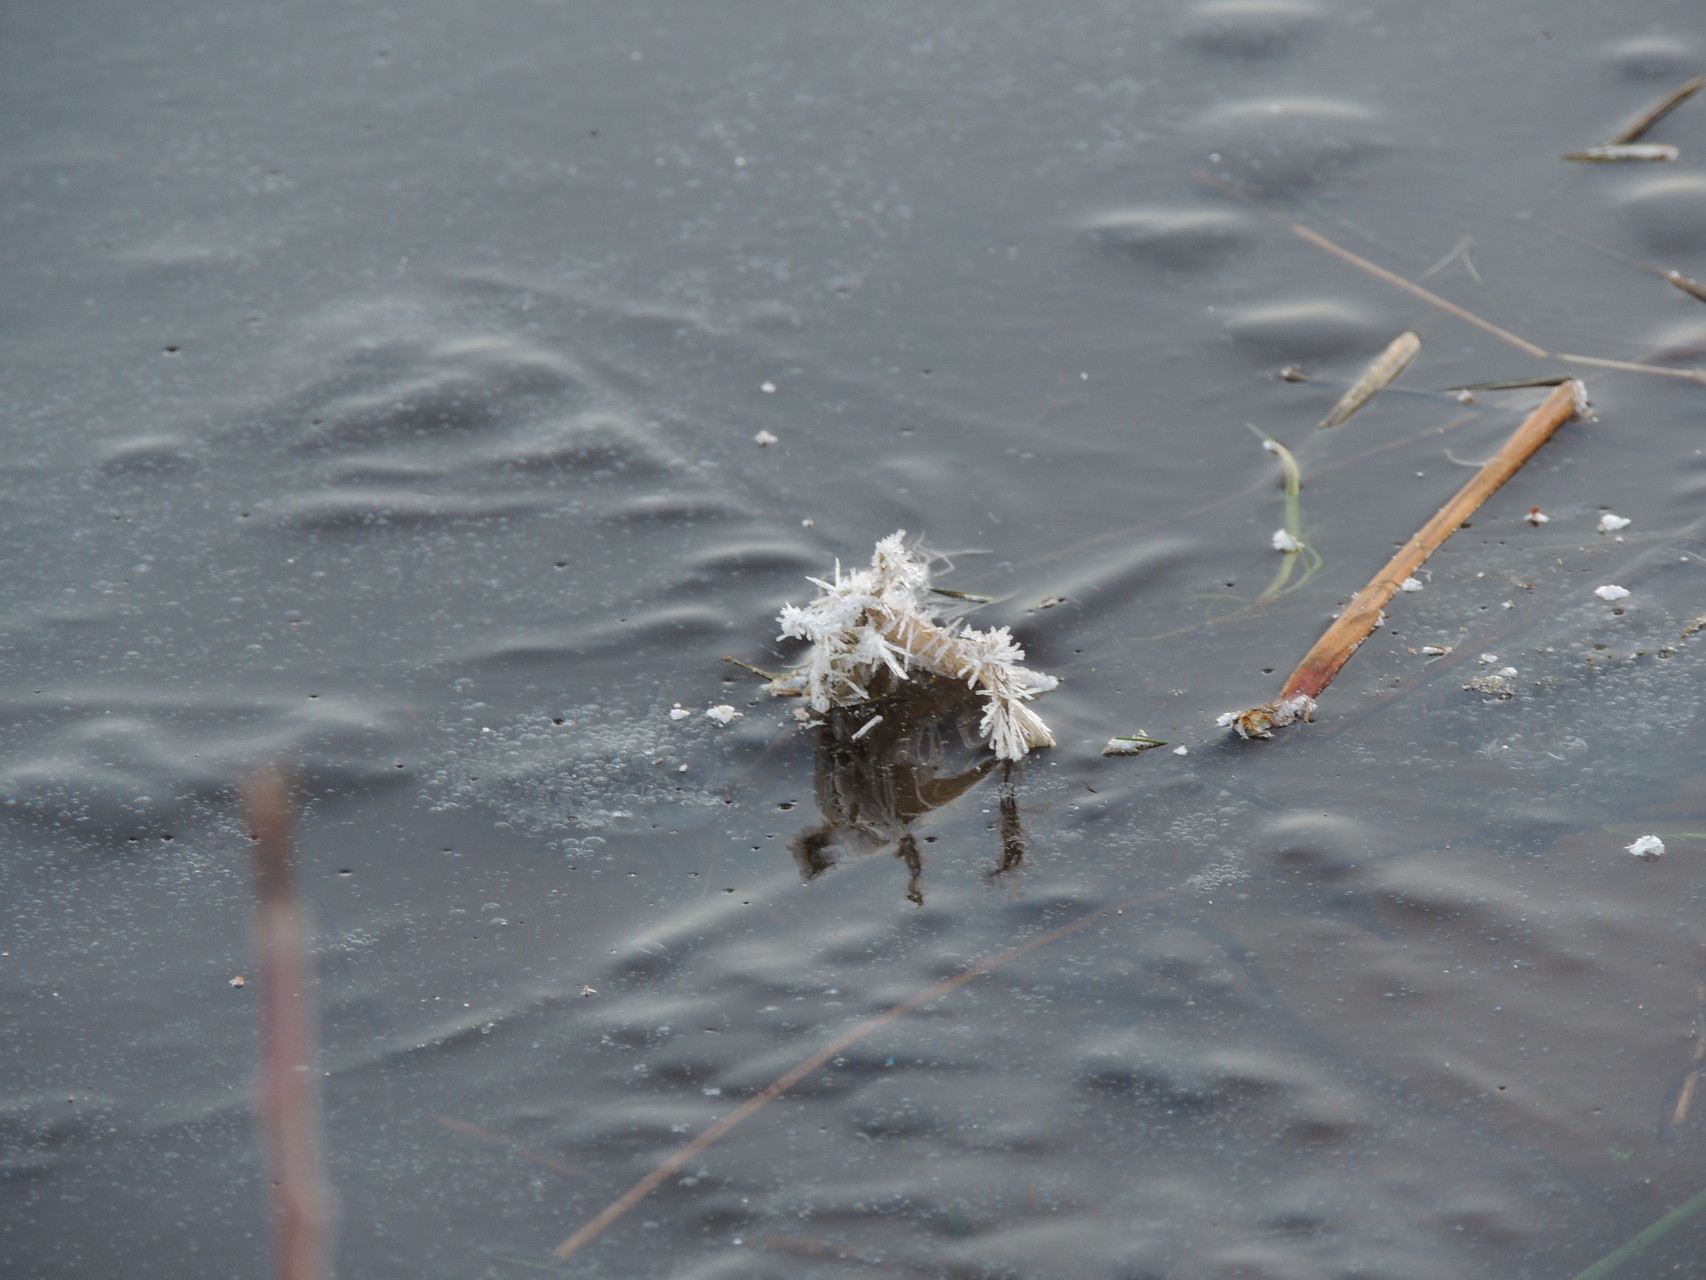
[1283,541]
[1647,848]
[1410,584]
[1611,591]
[765,438]
[1609,523]
[723,714]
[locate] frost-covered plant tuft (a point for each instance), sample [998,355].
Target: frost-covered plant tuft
[869,621]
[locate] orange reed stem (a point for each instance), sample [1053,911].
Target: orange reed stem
[1362,615]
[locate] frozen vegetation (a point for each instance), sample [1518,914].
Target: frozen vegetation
[868,622]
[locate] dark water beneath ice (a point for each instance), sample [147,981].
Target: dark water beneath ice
[383,390]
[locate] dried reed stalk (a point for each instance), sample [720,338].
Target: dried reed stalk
[1692,287]
[1638,127]
[288,1095]
[1629,366]
[1685,1095]
[1363,614]
[1414,290]
[788,1079]
[1378,272]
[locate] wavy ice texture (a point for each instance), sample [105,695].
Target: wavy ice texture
[871,620]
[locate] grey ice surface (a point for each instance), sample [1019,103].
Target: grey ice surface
[382,393]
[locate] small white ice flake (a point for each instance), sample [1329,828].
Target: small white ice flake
[1435,650]
[1609,523]
[724,714]
[764,438]
[1611,591]
[1283,541]
[767,387]
[1489,658]
[679,712]
[1181,751]
[1647,848]
[1410,584]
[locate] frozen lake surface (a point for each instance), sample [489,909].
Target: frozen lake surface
[384,392]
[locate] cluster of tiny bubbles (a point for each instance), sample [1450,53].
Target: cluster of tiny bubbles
[575,774]
[1213,821]
[1217,876]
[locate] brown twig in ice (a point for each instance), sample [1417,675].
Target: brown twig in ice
[1638,128]
[1685,1094]
[788,1079]
[1363,614]
[288,1097]
[1375,379]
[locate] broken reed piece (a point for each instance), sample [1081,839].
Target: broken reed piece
[1363,614]
[1639,126]
[287,1099]
[1692,287]
[1625,153]
[1378,376]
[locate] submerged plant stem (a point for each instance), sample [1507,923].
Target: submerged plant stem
[788,1079]
[1360,617]
[288,1097]
[1643,1240]
[1293,522]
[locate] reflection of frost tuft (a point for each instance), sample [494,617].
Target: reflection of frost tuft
[591,768]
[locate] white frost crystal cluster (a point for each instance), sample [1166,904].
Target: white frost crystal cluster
[868,621]
[1647,848]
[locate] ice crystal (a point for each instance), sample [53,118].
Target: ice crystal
[869,621]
